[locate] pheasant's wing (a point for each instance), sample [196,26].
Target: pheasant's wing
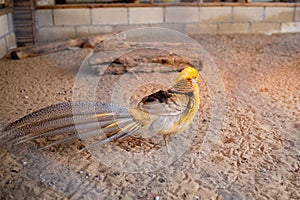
[164,103]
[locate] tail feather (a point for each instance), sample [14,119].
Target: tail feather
[134,129]
[126,131]
[60,130]
[65,139]
[66,109]
[88,119]
[49,112]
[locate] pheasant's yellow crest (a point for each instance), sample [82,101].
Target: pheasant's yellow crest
[188,73]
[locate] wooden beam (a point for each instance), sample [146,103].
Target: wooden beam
[195,4]
[5,11]
[31,51]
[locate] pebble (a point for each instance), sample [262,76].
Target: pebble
[88,175]
[52,184]
[62,92]
[223,187]
[161,180]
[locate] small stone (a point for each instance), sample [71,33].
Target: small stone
[223,187]
[116,174]
[52,184]
[161,180]
[62,92]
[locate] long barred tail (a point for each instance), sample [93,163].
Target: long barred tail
[99,122]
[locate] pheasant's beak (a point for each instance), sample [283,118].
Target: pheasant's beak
[196,81]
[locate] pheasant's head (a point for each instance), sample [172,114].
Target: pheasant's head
[187,81]
[190,74]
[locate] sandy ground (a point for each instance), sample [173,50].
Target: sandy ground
[255,155]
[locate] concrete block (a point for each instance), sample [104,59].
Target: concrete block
[279,14]
[2,47]
[265,27]
[181,14]
[80,16]
[10,22]
[180,27]
[51,34]
[297,14]
[234,28]
[118,28]
[83,31]
[290,27]
[242,14]
[215,14]
[101,29]
[201,29]
[44,17]
[3,25]
[109,16]
[146,15]
[11,41]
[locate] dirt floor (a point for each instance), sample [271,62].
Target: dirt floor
[255,154]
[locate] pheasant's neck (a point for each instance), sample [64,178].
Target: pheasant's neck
[196,95]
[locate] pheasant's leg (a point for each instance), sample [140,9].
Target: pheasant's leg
[166,139]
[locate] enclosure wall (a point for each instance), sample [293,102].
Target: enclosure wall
[7,35]
[63,23]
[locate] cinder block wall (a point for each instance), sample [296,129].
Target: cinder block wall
[7,35]
[57,24]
